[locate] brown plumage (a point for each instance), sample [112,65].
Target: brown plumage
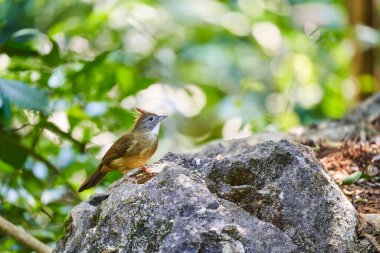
[130,151]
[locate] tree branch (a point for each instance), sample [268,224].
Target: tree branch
[52,167]
[52,127]
[23,237]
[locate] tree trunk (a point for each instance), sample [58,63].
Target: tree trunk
[364,67]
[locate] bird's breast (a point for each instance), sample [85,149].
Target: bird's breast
[137,153]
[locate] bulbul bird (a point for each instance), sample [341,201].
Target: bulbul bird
[131,150]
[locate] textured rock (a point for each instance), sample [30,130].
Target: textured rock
[361,124]
[230,197]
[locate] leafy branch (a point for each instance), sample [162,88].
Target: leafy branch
[52,127]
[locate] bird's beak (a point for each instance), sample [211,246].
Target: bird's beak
[162,117]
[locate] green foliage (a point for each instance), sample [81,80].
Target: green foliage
[70,70]
[10,151]
[24,96]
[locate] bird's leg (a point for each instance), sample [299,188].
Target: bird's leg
[146,169]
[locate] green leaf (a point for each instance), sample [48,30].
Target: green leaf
[21,42]
[11,150]
[5,112]
[5,168]
[53,58]
[352,178]
[23,95]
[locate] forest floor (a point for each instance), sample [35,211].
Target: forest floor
[362,162]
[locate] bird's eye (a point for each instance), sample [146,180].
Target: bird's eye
[150,118]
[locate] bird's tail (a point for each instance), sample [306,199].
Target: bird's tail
[93,180]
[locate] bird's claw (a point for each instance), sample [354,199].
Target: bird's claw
[146,170]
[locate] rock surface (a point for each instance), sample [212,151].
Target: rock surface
[230,197]
[361,124]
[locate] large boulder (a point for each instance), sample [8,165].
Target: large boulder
[230,197]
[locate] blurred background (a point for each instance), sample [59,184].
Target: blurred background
[70,71]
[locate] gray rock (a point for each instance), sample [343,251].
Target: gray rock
[360,124]
[230,197]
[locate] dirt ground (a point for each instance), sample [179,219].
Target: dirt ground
[348,158]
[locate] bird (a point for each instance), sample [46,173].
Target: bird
[132,150]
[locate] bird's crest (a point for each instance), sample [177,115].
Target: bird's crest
[140,112]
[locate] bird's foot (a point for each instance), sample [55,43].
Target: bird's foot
[146,169]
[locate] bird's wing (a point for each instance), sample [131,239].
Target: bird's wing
[118,149]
